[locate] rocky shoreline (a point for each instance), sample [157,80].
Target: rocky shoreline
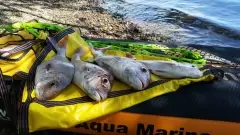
[84,15]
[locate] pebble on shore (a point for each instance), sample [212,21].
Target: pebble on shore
[84,15]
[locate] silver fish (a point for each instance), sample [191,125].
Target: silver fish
[129,71]
[54,75]
[172,69]
[95,81]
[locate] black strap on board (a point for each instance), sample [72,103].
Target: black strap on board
[4,93]
[10,96]
[6,34]
[48,47]
[25,48]
[23,128]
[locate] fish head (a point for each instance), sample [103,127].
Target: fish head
[51,78]
[98,83]
[50,88]
[192,70]
[137,75]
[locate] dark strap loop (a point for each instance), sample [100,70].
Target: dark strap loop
[20,76]
[41,57]
[25,47]
[22,125]
[22,38]
[4,92]
[23,110]
[10,96]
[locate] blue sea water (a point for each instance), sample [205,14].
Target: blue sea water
[203,22]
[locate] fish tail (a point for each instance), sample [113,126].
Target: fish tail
[64,44]
[78,53]
[94,49]
[63,48]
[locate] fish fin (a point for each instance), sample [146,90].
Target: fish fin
[63,47]
[93,49]
[129,55]
[91,46]
[98,49]
[105,48]
[76,58]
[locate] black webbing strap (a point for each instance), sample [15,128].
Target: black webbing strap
[4,93]
[40,58]
[6,34]
[25,48]
[11,96]
[23,127]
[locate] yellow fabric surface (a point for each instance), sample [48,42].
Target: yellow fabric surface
[67,116]
[10,68]
[12,38]
[41,118]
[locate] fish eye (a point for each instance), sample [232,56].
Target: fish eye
[52,84]
[144,70]
[105,80]
[48,67]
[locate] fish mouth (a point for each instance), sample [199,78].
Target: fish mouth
[198,74]
[39,92]
[99,96]
[43,94]
[141,84]
[98,88]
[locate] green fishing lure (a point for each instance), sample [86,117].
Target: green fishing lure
[37,29]
[178,54]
